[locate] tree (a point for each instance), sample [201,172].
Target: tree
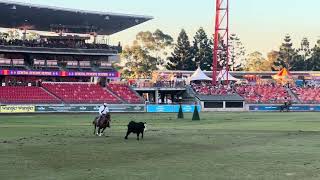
[305,53]
[313,62]
[288,57]
[222,53]
[237,53]
[202,50]
[255,62]
[145,55]
[181,58]
[139,64]
[271,59]
[157,43]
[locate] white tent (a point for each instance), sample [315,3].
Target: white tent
[199,76]
[223,76]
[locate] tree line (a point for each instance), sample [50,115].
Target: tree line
[304,58]
[157,50]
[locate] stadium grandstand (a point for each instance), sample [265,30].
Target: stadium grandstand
[245,89]
[64,64]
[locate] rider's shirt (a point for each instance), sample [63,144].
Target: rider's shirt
[103,110]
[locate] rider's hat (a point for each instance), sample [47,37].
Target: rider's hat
[105,104]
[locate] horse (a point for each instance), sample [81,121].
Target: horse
[103,124]
[286,107]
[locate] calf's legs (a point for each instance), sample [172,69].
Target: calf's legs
[128,132]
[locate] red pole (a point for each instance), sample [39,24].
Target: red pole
[221,33]
[216,44]
[227,29]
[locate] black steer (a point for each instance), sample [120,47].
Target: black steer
[136,128]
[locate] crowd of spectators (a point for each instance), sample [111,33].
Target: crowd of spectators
[54,44]
[158,84]
[208,89]
[269,94]
[308,93]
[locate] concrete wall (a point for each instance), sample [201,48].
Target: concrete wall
[224,109]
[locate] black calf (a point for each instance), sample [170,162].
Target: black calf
[136,128]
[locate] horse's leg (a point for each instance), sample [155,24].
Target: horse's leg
[98,133]
[142,135]
[103,130]
[95,129]
[128,132]
[138,134]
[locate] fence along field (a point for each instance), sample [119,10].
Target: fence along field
[221,146]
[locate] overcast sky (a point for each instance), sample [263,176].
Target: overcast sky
[261,24]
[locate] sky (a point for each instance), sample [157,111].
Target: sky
[260,24]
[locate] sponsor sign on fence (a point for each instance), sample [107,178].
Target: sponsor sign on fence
[277,108]
[88,108]
[17,109]
[171,108]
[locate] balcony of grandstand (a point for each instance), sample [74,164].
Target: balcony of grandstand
[66,44]
[12,61]
[145,83]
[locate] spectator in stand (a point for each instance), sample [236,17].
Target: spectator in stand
[53,44]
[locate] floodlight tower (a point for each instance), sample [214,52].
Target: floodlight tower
[221,39]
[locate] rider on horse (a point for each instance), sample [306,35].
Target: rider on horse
[103,111]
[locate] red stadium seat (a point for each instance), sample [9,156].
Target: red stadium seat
[81,93]
[125,93]
[308,95]
[263,94]
[26,95]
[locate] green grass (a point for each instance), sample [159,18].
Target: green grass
[222,146]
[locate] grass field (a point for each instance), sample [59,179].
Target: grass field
[222,146]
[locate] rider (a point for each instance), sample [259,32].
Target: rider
[103,111]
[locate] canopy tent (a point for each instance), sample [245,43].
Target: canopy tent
[283,76]
[199,76]
[284,73]
[224,76]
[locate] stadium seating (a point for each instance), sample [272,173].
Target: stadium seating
[26,95]
[124,92]
[307,95]
[81,93]
[263,94]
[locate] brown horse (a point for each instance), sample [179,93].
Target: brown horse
[103,124]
